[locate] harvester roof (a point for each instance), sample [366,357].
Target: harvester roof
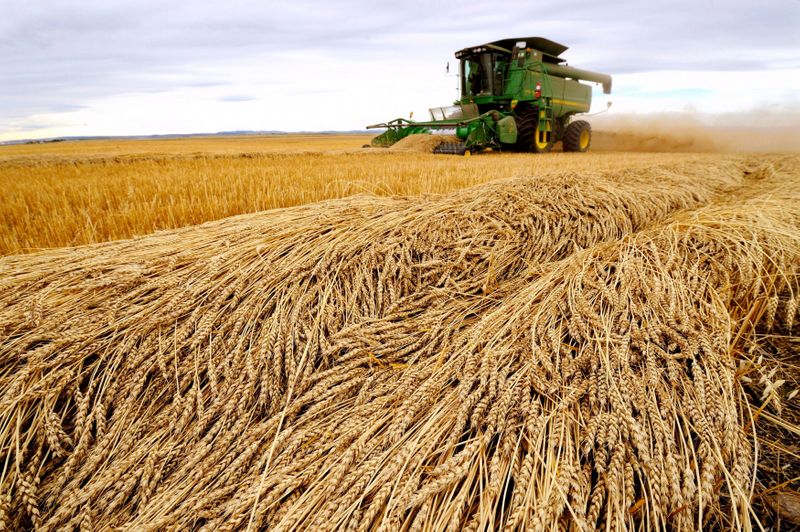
[548,47]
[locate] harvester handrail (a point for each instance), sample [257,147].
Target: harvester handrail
[397,122]
[445,124]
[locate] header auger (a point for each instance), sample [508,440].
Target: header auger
[516,94]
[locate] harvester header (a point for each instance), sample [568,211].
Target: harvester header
[516,94]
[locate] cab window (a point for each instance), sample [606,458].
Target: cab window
[473,82]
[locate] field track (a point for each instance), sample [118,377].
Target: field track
[583,348]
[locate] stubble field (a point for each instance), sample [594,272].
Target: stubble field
[403,341]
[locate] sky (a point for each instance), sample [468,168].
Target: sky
[140,67]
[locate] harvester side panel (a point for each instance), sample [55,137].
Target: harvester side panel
[571,97]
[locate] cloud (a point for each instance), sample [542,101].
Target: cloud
[236,98]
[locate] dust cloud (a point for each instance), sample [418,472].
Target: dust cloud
[753,131]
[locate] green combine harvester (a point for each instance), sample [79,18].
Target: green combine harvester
[516,94]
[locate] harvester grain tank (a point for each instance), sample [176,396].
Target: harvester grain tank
[516,94]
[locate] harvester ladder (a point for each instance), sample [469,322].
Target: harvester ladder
[545,130]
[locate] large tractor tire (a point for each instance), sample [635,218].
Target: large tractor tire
[578,136]
[527,119]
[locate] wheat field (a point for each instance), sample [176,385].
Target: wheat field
[74,193]
[566,342]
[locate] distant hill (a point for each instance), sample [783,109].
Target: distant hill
[185,135]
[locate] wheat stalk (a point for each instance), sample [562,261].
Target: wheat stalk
[539,352]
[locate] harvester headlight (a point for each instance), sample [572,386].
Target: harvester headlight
[538,92]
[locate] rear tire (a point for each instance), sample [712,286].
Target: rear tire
[578,136]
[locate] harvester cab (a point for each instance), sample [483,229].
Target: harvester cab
[516,94]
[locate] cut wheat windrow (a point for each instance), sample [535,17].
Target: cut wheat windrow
[531,352]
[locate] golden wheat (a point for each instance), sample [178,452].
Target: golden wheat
[74,193]
[546,352]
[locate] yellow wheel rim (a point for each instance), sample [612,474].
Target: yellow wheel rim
[584,140]
[541,144]
[467,153]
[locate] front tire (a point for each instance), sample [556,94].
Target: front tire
[543,143]
[578,136]
[527,119]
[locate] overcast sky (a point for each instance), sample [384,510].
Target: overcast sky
[114,67]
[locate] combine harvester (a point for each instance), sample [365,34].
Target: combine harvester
[516,94]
